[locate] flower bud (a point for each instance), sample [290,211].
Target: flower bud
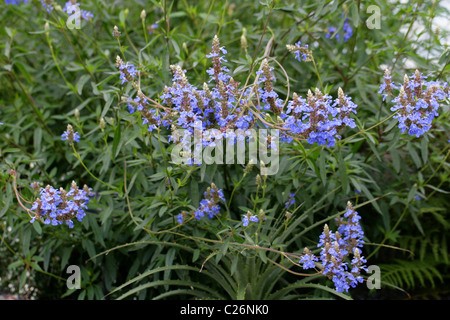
[326,230]
[231,8]
[249,166]
[258,180]
[143,14]
[35,186]
[77,114]
[261,215]
[116,32]
[244,43]
[102,124]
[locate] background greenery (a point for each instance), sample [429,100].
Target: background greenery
[123,246]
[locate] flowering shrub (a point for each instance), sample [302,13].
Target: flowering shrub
[108,104]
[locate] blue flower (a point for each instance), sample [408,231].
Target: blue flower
[128,72]
[336,247]
[56,206]
[330,31]
[15,2]
[70,135]
[68,5]
[246,219]
[317,118]
[180,218]
[417,102]
[302,53]
[152,28]
[47,5]
[291,200]
[308,259]
[86,15]
[347,30]
[209,205]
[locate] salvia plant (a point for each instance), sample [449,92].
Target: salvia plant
[356,119]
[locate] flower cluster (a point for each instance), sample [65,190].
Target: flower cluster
[216,111]
[290,201]
[249,217]
[301,52]
[15,1]
[224,111]
[209,205]
[347,29]
[47,4]
[336,248]
[86,15]
[127,70]
[56,206]
[417,101]
[70,135]
[268,96]
[324,117]
[152,28]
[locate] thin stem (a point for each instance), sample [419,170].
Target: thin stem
[368,129]
[317,73]
[77,155]
[390,232]
[18,196]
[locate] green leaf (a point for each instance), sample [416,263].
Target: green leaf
[262,255]
[88,245]
[37,139]
[117,135]
[109,100]
[194,193]
[395,160]
[417,222]
[343,173]
[413,154]
[37,227]
[234,264]
[15,264]
[195,255]
[81,82]
[424,149]
[8,200]
[354,14]
[322,170]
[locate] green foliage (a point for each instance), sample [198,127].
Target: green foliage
[130,244]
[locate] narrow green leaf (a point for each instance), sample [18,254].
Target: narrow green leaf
[117,135]
[424,149]
[343,173]
[194,192]
[354,14]
[413,154]
[322,170]
[37,227]
[81,82]
[195,255]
